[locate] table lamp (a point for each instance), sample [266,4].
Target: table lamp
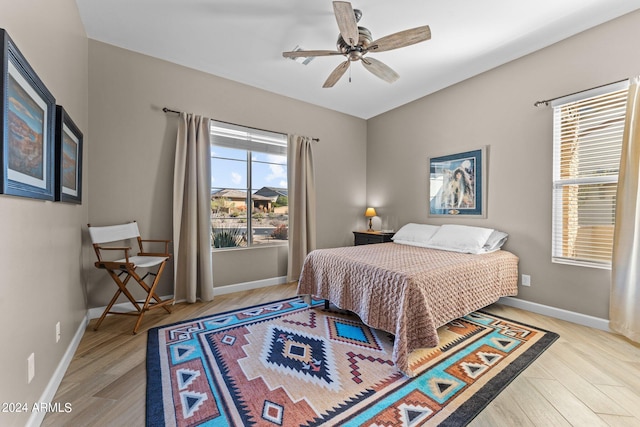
[370,213]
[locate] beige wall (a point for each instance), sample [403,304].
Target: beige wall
[118,94]
[496,109]
[131,165]
[40,257]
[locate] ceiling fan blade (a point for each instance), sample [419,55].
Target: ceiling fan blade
[308,53]
[336,74]
[346,22]
[401,39]
[380,69]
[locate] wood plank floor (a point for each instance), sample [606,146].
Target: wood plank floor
[587,378]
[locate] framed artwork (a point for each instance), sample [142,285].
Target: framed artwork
[68,169]
[457,184]
[27,127]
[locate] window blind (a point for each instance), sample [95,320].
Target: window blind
[243,138]
[587,144]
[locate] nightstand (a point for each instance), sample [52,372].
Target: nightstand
[371,237]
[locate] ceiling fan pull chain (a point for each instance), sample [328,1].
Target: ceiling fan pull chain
[349,74]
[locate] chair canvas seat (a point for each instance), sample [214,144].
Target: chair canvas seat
[104,241]
[143,261]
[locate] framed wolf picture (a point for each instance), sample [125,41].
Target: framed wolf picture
[457,184]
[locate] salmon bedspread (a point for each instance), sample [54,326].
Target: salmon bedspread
[406,290]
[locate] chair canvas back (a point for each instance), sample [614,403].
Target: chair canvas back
[114,233]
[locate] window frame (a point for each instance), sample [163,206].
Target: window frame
[559,230]
[247,138]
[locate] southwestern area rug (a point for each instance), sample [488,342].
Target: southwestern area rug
[287,364]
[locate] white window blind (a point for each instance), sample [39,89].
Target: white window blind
[244,138]
[587,142]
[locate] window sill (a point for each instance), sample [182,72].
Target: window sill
[242,248]
[577,263]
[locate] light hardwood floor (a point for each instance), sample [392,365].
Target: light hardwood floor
[587,378]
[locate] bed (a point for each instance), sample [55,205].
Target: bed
[409,288]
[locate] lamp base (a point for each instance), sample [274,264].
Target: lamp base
[370,225]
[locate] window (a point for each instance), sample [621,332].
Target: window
[249,198]
[587,142]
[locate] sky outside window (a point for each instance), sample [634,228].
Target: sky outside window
[229,169]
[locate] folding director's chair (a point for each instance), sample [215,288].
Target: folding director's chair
[122,270]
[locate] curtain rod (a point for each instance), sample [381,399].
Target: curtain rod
[547,101]
[168,110]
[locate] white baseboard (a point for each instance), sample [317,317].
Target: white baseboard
[49,393]
[558,313]
[36,418]
[123,307]
[247,286]
[96,312]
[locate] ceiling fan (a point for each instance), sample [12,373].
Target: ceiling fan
[355,42]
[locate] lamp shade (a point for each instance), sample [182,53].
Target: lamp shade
[370,212]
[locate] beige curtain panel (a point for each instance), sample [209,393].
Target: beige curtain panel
[192,210]
[302,203]
[624,311]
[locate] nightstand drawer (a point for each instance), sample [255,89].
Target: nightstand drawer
[370,237]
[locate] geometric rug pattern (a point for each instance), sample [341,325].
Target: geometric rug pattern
[285,363]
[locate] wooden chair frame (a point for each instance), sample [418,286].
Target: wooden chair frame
[127,266]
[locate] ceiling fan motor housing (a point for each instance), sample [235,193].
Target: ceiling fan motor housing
[355,52]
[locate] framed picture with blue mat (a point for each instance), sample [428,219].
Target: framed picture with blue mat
[457,184]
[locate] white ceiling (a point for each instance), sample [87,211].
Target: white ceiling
[243,40]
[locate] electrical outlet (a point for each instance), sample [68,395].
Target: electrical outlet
[31,367]
[526,280]
[57,331]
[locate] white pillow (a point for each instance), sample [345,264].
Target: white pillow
[411,243]
[411,232]
[495,241]
[460,238]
